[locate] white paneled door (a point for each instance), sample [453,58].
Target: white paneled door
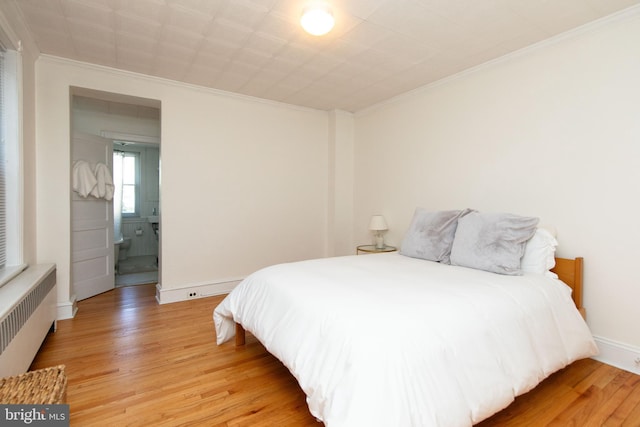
[92,254]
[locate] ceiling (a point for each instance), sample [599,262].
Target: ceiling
[377,50]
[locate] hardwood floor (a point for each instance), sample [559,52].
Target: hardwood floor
[132,362]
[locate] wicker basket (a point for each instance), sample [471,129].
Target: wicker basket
[41,387]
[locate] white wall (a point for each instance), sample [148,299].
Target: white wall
[340,200]
[553,132]
[243,182]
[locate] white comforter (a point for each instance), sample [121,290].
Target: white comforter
[387,340]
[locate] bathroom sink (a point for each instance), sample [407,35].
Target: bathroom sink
[153,219]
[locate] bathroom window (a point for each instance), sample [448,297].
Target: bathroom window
[127,164]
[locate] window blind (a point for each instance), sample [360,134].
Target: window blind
[3,180]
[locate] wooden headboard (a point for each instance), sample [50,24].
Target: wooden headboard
[570,272]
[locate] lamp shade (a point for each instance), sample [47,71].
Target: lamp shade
[378,223]
[317,18]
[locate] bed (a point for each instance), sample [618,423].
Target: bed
[393,340]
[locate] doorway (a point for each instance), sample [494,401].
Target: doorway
[131,126]
[136,209]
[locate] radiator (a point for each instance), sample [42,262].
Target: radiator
[27,313]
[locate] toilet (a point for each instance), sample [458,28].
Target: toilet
[121,245]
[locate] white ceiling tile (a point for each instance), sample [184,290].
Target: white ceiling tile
[207,60]
[278,26]
[324,62]
[288,9]
[231,81]
[319,100]
[138,60]
[348,70]
[362,8]
[280,64]
[377,49]
[255,87]
[229,32]
[604,7]
[134,42]
[88,12]
[244,12]
[368,34]
[330,82]
[554,17]
[242,68]
[309,71]
[57,44]
[250,56]
[45,19]
[153,10]
[53,6]
[297,53]
[344,49]
[178,36]
[97,52]
[403,48]
[269,4]
[81,30]
[216,52]
[296,81]
[101,4]
[201,75]
[392,14]
[206,7]
[266,43]
[187,19]
[279,92]
[175,52]
[133,24]
[261,82]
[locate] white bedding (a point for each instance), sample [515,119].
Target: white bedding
[388,340]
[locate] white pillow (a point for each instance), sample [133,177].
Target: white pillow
[539,253]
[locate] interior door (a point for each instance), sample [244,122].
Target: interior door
[92,254]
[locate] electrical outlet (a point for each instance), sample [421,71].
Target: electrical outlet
[193,295]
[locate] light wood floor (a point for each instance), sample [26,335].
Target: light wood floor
[132,362]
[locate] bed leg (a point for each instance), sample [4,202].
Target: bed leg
[239,335]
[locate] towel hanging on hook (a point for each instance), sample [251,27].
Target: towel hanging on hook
[84,180]
[104,187]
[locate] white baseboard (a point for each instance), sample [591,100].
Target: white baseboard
[202,290]
[617,354]
[67,309]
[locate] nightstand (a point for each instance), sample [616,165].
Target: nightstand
[371,249]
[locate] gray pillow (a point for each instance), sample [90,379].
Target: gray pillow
[492,241]
[430,235]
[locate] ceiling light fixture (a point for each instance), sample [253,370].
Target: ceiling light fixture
[317,18]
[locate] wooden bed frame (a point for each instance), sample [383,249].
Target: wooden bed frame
[568,270]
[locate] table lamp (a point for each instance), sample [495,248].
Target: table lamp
[378,225]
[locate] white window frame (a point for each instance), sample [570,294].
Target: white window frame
[12,137]
[138,165]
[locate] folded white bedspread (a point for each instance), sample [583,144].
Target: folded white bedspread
[388,340]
